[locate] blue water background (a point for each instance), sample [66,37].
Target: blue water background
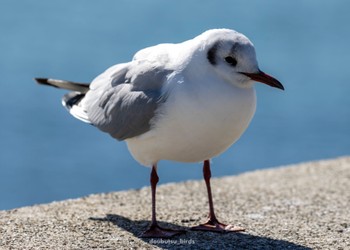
[46,155]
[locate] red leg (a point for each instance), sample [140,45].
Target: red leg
[213,224]
[155,231]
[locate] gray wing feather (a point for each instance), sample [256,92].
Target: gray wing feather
[123,100]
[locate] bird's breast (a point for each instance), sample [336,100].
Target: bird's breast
[196,124]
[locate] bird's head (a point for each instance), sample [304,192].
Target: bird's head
[232,57]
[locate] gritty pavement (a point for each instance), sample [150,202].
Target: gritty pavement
[305,206]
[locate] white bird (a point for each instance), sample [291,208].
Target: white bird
[185,102]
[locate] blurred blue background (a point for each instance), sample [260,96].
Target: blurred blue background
[46,155]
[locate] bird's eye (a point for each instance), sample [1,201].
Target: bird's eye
[231,60]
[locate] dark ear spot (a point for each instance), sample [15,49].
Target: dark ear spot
[211,55]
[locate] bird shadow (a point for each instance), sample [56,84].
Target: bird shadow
[198,239]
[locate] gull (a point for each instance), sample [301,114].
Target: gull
[184,102]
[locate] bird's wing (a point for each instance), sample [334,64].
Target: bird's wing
[123,100]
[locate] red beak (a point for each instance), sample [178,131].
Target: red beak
[264,78]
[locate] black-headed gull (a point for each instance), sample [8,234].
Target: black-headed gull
[185,102]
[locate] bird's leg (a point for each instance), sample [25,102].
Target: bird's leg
[212,223]
[155,231]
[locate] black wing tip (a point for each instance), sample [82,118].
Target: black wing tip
[44,81]
[72,98]
[41,80]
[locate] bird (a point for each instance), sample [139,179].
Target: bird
[183,102]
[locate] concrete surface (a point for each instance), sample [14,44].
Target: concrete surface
[296,207]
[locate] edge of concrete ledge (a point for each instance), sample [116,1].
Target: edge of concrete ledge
[300,206]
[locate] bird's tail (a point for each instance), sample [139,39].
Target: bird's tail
[70,100]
